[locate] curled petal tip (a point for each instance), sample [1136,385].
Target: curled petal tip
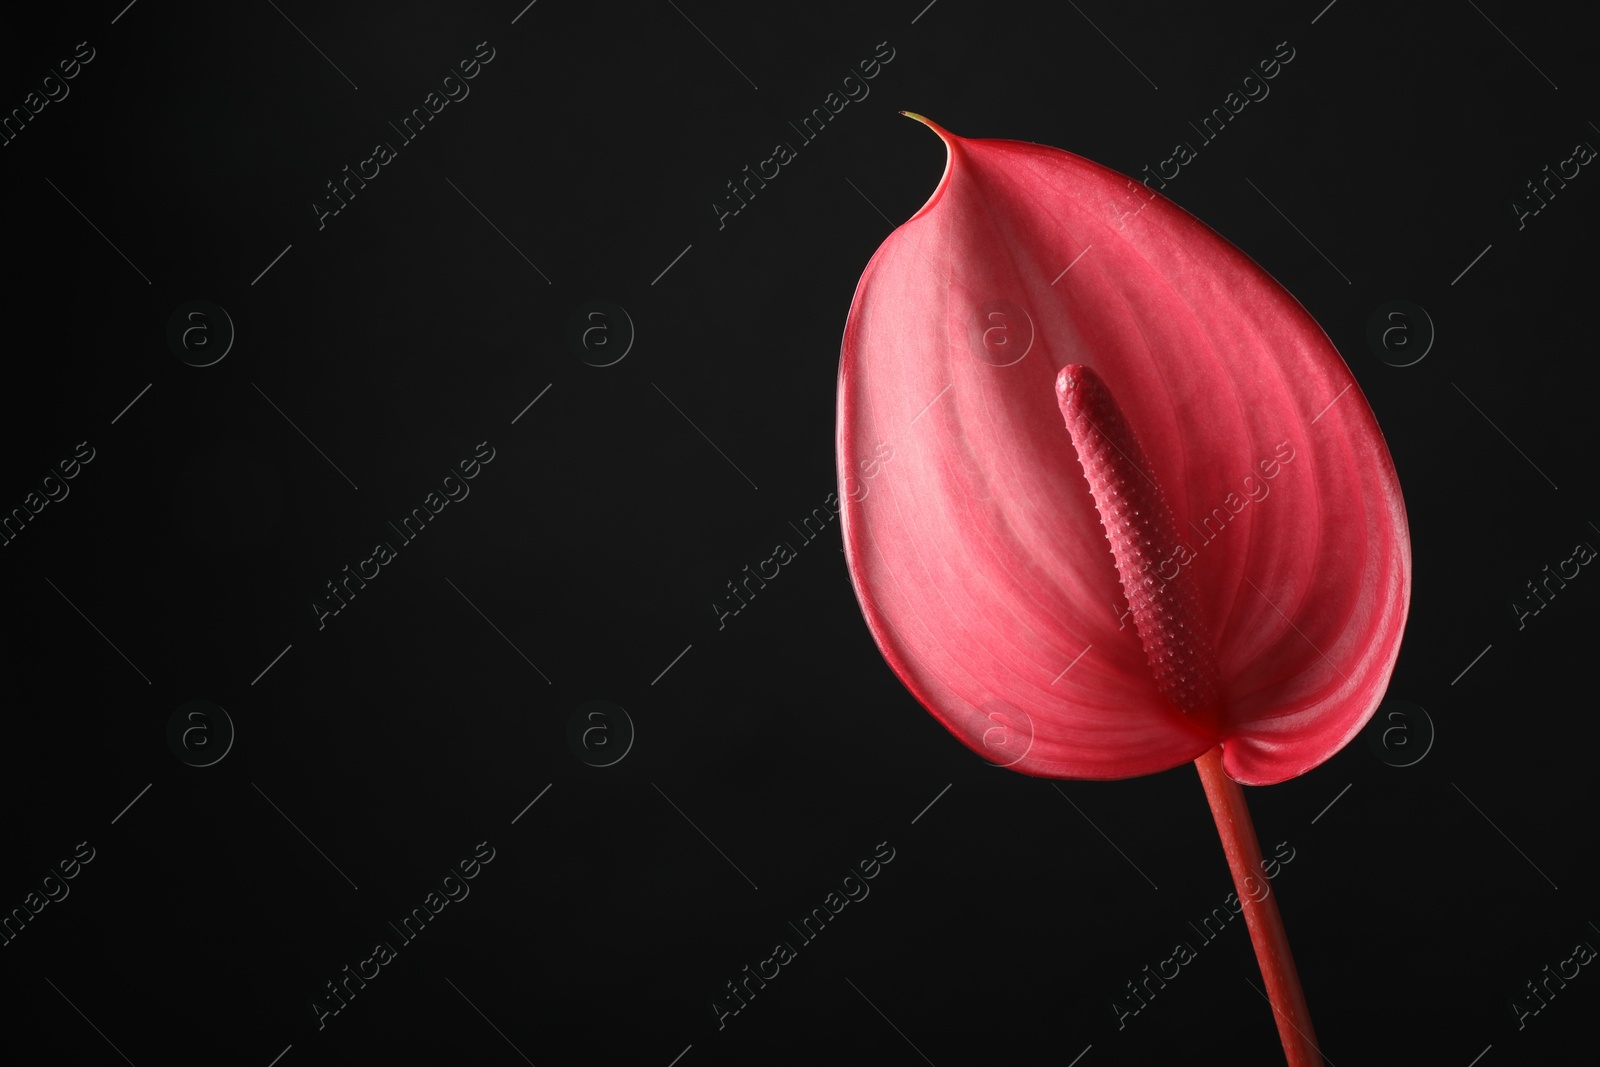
[934,126]
[949,140]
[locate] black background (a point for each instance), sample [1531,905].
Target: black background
[409,728]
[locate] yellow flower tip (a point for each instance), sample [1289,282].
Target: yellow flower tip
[943,133]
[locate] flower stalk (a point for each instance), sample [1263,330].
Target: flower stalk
[1261,916]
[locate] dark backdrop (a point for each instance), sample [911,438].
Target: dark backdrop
[366,354]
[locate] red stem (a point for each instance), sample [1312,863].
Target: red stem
[1271,943]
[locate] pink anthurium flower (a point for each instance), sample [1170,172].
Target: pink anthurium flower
[1113,501]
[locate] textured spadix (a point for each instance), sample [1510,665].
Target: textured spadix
[977,548]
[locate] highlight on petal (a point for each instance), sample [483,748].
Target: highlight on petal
[978,551]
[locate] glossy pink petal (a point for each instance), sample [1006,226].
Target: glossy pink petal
[973,537]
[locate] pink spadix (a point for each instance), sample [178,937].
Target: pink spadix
[1142,534]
